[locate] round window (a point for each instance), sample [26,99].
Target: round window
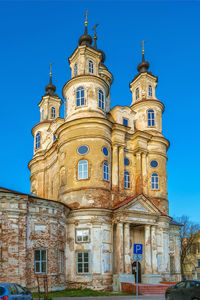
[126,161]
[154,163]
[83,149]
[105,151]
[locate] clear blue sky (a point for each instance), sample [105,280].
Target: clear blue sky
[35,33]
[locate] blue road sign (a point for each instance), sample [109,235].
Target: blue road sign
[137,249]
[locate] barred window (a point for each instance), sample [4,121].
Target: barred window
[90,65]
[150,92]
[82,260]
[53,112]
[105,171]
[80,96]
[40,260]
[61,259]
[126,180]
[101,99]
[150,118]
[37,141]
[154,181]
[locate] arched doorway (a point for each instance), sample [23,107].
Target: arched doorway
[134,271]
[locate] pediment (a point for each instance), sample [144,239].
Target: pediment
[139,204]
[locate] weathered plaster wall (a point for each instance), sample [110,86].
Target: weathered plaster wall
[28,224]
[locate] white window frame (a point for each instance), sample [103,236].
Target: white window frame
[40,261]
[82,235]
[101,99]
[150,90]
[137,93]
[53,112]
[80,96]
[82,260]
[37,140]
[75,70]
[61,261]
[82,169]
[106,171]
[154,181]
[150,118]
[126,180]
[90,66]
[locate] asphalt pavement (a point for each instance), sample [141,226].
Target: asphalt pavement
[145,297]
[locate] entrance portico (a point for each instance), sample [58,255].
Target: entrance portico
[139,221]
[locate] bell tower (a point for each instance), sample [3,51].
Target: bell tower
[144,102]
[88,90]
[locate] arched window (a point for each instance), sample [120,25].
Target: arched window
[150,117]
[150,90]
[80,96]
[126,180]
[105,171]
[90,66]
[137,94]
[101,99]
[37,141]
[53,112]
[154,181]
[75,70]
[83,169]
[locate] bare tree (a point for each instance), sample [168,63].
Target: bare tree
[188,233]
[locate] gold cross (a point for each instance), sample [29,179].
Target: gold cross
[95,26]
[86,16]
[50,67]
[142,44]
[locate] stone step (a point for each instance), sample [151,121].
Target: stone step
[159,288]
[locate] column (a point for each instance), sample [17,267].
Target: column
[138,173]
[121,167]
[154,250]
[144,174]
[127,256]
[166,262]
[119,248]
[147,250]
[115,167]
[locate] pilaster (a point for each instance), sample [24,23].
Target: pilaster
[119,248]
[127,257]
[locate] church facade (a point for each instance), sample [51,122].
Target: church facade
[98,186]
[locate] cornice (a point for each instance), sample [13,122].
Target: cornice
[145,101]
[85,78]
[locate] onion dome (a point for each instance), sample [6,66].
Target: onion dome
[85,39]
[143,66]
[50,88]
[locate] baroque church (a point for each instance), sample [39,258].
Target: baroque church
[98,186]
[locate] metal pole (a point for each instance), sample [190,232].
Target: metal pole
[137,278]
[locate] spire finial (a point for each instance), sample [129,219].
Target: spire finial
[142,44]
[86,14]
[50,73]
[144,65]
[95,35]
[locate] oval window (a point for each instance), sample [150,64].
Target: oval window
[154,163]
[83,149]
[126,161]
[105,151]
